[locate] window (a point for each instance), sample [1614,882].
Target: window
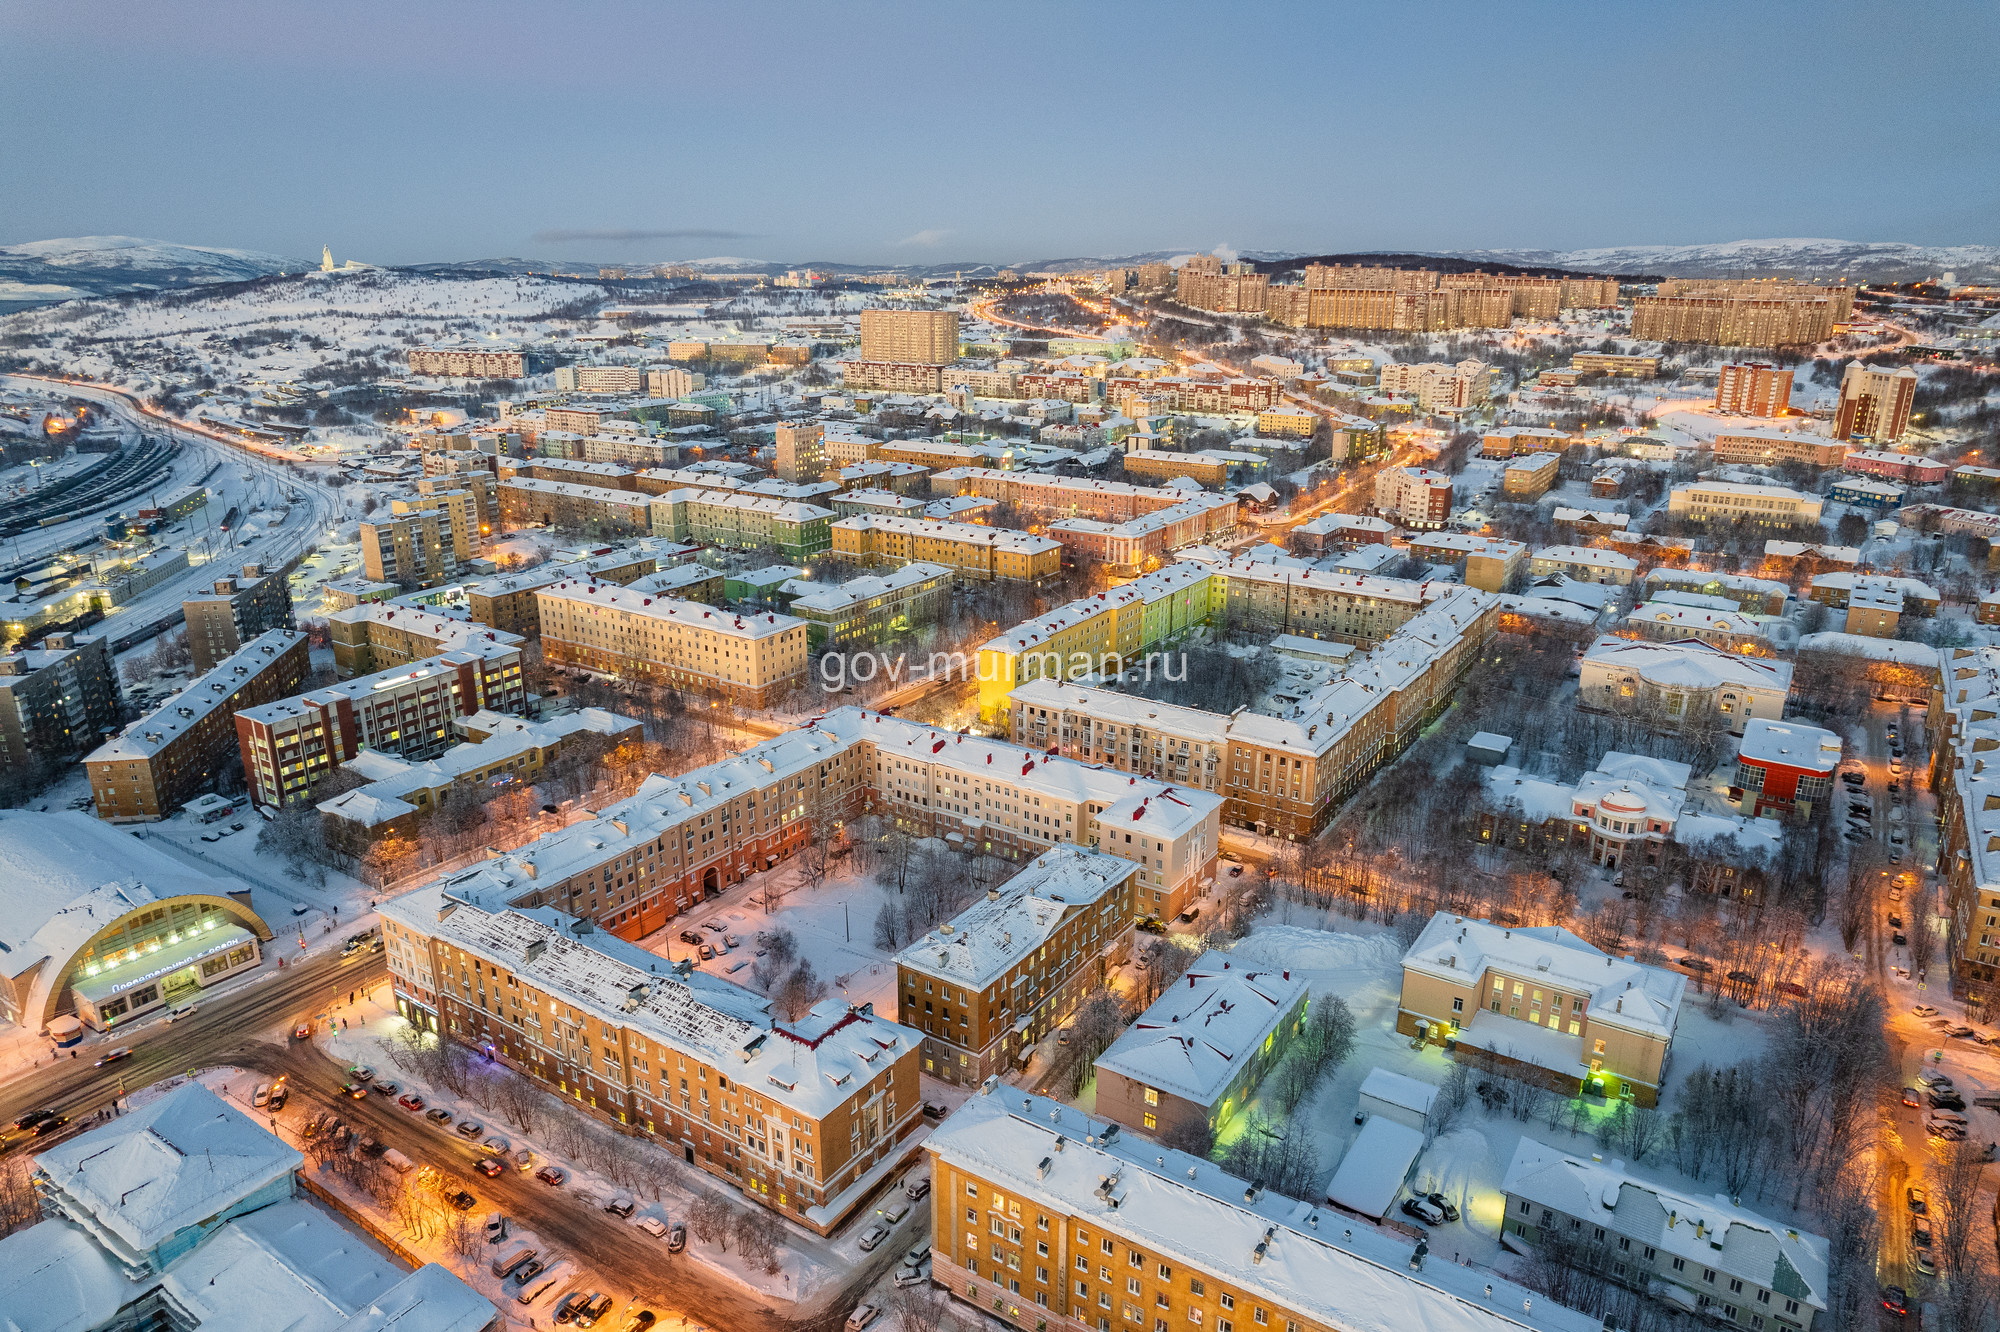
[1458,1005]
[1082,1263]
[1194,1315]
[1680,1264]
[1259,1315]
[1152,1121]
[1735,1286]
[1228,1301]
[1136,1259]
[1152,1096]
[1196,1286]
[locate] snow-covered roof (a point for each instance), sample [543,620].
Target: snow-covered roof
[981,942]
[1848,581]
[672,611]
[1589,557]
[1689,664]
[1194,506]
[1205,1029]
[430,1299]
[1710,1232]
[1030,634]
[1791,744]
[1375,1166]
[289,1256]
[55,1278]
[1189,1211]
[834,600]
[1623,994]
[810,1066]
[1549,608]
[1600,517]
[997,537]
[1920,655]
[1399,1089]
[185,709]
[169,1164]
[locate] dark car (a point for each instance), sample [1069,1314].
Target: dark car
[594,1310]
[384,1089]
[551,1175]
[463,1201]
[677,1237]
[490,1168]
[439,1116]
[1696,964]
[1423,1209]
[1443,1204]
[1946,1099]
[50,1125]
[1897,938]
[1895,1301]
[467,1128]
[1910,1097]
[32,1118]
[1895,922]
[640,1321]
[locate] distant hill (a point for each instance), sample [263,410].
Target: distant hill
[42,272]
[1854,261]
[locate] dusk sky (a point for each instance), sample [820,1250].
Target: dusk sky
[935,133]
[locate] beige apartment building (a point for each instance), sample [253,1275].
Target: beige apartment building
[1753,388]
[1616,365]
[910,337]
[800,453]
[804,1117]
[1732,501]
[374,636]
[1530,476]
[1874,404]
[986,986]
[414,549]
[468,362]
[750,659]
[1604,1023]
[1764,447]
[595,511]
[464,528]
[506,601]
[1730,318]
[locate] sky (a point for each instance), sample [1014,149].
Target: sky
[941,132]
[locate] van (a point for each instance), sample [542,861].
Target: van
[262,1095]
[398,1162]
[547,1281]
[507,1260]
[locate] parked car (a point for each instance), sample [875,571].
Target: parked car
[640,1321]
[490,1168]
[32,1118]
[383,1088]
[1946,1099]
[863,1315]
[677,1237]
[495,1145]
[439,1116]
[1423,1209]
[595,1309]
[714,926]
[412,1102]
[361,1073]
[467,1128]
[1897,938]
[873,1236]
[49,1125]
[551,1175]
[1696,964]
[1921,1260]
[528,1271]
[463,1201]
[706,953]
[916,1186]
[1960,1032]
[1930,1078]
[620,1206]
[910,1274]
[184,1011]
[1443,1204]
[653,1226]
[568,1305]
[691,939]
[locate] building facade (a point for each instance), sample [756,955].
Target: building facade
[233,611]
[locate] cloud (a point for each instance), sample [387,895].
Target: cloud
[931,236]
[560,237]
[1226,253]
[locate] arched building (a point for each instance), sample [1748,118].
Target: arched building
[100,925]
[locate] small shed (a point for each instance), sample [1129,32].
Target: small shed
[1373,1171]
[1396,1097]
[1487,749]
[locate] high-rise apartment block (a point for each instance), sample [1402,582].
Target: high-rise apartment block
[911,337]
[56,698]
[1874,404]
[673,382]
[1741,314]
[417,549]
[800,452]
[753,659]
[1440,387]
[1207,284]
[468,362]
[234,611]
[1753,389]
[1417,496]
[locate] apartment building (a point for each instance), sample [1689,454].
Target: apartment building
[1439,387]
[57,699]
[1280,775]
[911,337]
[749,659]
[940,455]
[173,753]
[233,611]
[1736,502]
[1584,564]
[1061,386]
[1964,711]
[1706,1251]
[1205,396]
[874,606]
[980,383]
[672,381]
[577,419]
[1765,447]
[1615,365]
[1514,441]
[414,549]
[890,376]
[594,511]
[1490,562]
[1758,596]
[1417,497]
[1162,465]
[374,636]
[1680,679]
[973,552]
[800,454]
[1196,1055]
[1911,468]
[1348,608]
[1874,403]
[796,530]
[1223,293]
[506,601]
[1530,476]
[1777,319]
[1051,1220]
[986,986]
[497,750]
[468,361]
[1753,388]
[464,528]
[1606,1023]
[1038,496]
[289,745]
[805,1117]
[1129,545]
[621,379]
[898,478]
[1076,639]
[1287,421]
[613,476]
[1837,588]
[482,486]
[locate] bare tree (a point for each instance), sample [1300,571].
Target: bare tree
[1922,937]
[917,1309]
[712,1219]
[518,1101]
[1954,1176]
[800,991]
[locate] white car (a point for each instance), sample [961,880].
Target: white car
[653,1226]
[863,1315]
[873,1236]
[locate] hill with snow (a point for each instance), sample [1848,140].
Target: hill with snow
[1868,261]
[74,266]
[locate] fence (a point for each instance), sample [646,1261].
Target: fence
[361,1220]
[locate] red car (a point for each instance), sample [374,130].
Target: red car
[411,1102]
[551,1175]
[1910,1096]
[302,1032]
[490,1168]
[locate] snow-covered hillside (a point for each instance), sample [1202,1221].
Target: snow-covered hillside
[283,328]
[1880,261]
[54,270]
